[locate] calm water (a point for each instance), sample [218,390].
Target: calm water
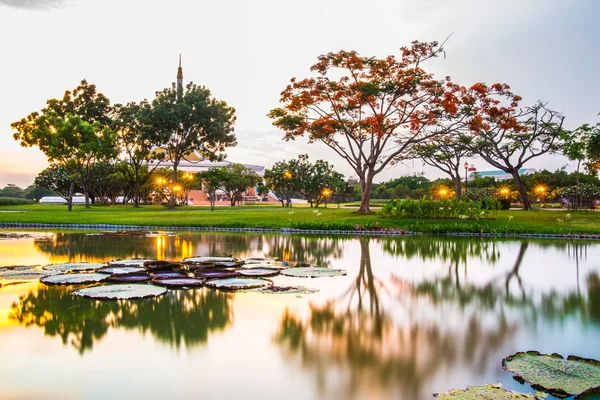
[413,316]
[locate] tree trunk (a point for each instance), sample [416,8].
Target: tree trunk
[522,191]
[86,194]
[136,194]
[457,187]
[70,198]
[173,182]
[366,184]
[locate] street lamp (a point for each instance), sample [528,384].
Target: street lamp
[466,179]
[326,193]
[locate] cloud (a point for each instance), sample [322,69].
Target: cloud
[33,4]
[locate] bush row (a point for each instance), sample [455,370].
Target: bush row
[13,201]
[441,209]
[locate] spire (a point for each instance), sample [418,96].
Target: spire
[179,70]
[179,80]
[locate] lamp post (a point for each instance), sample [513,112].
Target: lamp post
[466,179]
[326,193]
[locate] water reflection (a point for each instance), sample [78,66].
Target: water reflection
[183,317]
[409,336]
[82,247]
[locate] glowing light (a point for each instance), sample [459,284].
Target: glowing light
[541,189]
[443,192]
[177,188]
[287,174]
[160,181]
[326,192]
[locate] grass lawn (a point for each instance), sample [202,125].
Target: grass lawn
[537,221]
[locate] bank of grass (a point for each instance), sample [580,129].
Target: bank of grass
[512,221]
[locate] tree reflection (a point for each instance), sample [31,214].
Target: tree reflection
[98,248]
[176,318]
[401,350]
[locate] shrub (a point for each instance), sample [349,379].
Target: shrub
[442,209]
[13,201]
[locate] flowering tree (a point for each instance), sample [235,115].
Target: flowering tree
[504,134]
[368,110]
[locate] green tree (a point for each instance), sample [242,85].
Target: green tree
[58,179]
[279,179]
[11,190]
[35,192]
[236,178]
[446,154]
[137,139]
[310,180]
[211,182]
[73,131]
[189,121]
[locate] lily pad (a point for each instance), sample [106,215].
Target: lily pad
[238,283]
[259,272]
[590,394]
[120,270]
[312,272]
[28,274]
[259,260]
[134,262]
[297,290]
[121,292]
[273,265]
[178,282]
[552,373]
[161,265]
[169,274]
[200,260]
[488,392]
[130,278]
[73,279]
[215,274]
[73,267]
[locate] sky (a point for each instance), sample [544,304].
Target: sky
[245,52]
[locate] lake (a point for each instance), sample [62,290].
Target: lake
[413,316]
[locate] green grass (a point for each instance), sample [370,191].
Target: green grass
[538,221]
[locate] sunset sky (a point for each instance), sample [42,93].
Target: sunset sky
[246,52]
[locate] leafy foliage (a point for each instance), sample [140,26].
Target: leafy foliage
[368,110]
[440,209]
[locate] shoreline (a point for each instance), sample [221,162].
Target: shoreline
[376,233]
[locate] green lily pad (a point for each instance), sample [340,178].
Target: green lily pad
[312,272]
[134,262]
[73,279]
[238,283]
[117,270]
[488,392]
[27,274]
[259,272]
[590,394]
[73,267]
[552,373]
[121,292]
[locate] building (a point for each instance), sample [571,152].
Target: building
[500,175]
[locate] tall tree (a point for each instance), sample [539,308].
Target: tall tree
[211,180]
[137,139]
[310,180]
[444,153]
[279,180]
[56,178]
[191,120]
[73,131]
[505,135]
[368,110]
[236,178]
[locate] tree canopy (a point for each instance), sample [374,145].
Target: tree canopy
[367,110]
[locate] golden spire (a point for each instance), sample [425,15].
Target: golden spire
[180,70]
